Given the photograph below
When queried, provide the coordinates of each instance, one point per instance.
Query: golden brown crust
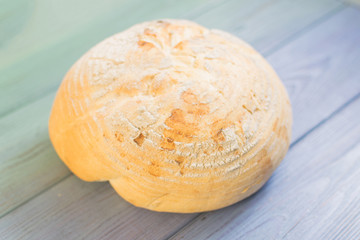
(177, 117)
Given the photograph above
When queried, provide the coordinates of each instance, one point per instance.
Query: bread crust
(177, 117)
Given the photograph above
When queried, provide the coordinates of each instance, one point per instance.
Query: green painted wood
(38, 56)
(21, 144)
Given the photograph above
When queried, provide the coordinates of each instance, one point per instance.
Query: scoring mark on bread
(119, 137)
(145, 45)
(168, 143)
(247, 109)
(139, 139)
(154, 169)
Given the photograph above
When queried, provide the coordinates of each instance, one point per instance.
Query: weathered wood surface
(75, 209)
(320, 68)
(314, 194)
(312, 44)
(31, 134)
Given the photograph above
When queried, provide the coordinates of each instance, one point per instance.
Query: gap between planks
(304, 30)
(38, 194)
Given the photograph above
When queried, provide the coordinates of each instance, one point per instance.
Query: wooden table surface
(314, 45)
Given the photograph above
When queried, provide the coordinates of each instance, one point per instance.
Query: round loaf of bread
(177, 117)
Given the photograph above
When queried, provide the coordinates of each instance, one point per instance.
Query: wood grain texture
(320, 68)
(310, 196)
(25, 172)
(54, 69)
(51, 47)
(85, 212)
(75, 209)
(339, 201)
(253, 22)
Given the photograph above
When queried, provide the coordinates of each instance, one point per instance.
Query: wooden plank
(92, 211)
(337, 214)
(320, 68)
(309, 196)
(253, 23)
(42, 62)
(17, 190)
(27, 166)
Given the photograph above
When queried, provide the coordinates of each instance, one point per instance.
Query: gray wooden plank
(42, 62)
(27, 166)
(254, 22)
(337, 213)
(92, 211)
(17, 191)
(314, 194)
(320, 68)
